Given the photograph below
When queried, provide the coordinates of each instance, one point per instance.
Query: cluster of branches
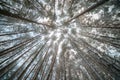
(33, 58)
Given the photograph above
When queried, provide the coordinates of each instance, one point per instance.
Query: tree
(59, 40)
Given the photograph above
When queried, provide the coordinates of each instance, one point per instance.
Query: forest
(59, 39)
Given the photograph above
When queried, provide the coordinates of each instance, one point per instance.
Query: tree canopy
(59, 39)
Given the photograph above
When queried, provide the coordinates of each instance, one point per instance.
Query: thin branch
(88, 9)
(15, 33)
(9, 14)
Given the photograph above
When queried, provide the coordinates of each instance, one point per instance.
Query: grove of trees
(59, 39)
